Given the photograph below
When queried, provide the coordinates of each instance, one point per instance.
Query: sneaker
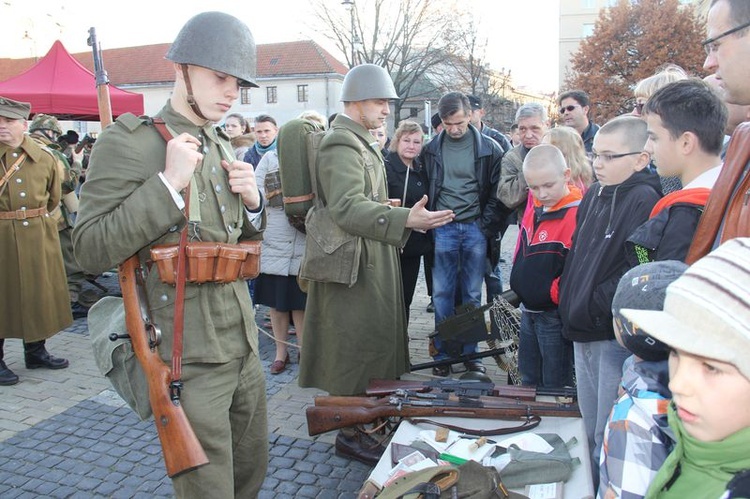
(431, 307)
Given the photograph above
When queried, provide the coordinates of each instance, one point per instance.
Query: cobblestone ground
(67, 434)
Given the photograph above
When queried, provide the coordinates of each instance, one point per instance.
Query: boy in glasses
(611, 209)
(706, 323)
(686, 121)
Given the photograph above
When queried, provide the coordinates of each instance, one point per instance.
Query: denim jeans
(598, 376)
(545, 358)
(460, 260)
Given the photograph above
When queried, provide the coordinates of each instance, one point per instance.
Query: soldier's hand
(242, 182)
(182, 158)
(422, 220)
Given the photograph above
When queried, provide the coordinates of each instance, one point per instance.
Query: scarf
(699, 469)
(263, 150)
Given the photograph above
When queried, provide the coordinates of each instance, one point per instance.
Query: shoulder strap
(179, 301)
(11, 171)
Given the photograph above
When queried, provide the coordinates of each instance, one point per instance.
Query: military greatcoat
(34, 301)
(356, 333)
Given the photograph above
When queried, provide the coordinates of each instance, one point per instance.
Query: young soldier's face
(663, 148)
(712, 397)
(214, 92)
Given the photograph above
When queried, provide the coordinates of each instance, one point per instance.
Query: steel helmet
(217, 41)
(367, 81)
(45, 122)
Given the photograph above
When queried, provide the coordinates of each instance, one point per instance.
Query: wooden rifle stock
(181, 449)
(332, 413)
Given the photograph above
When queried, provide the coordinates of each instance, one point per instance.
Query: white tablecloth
(578, 486)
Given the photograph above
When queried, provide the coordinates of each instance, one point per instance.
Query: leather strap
(298, 199)
(23, 214)
(179, 301)
(531, 422)
(13, 169)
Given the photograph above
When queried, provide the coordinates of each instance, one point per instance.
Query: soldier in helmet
(135, 197)
(354, 333)
(45, 129)
(33, 305)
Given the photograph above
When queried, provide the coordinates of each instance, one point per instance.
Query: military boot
(36, 356)
(7, 377)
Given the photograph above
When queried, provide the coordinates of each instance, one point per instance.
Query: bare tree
(408, 38)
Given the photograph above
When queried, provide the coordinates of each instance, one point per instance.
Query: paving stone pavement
(67, 434)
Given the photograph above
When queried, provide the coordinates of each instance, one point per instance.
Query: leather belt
(23, 214)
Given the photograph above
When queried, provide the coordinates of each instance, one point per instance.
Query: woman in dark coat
(407, 182)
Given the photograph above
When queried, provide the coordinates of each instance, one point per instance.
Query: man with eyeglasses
(574, 111)
(727, 52)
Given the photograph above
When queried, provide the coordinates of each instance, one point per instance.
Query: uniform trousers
(226, 406)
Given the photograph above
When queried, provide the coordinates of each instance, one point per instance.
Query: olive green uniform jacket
(34, 301)
(126, 208)
(356, 333)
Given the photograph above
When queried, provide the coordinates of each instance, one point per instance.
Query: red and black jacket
(543, 243)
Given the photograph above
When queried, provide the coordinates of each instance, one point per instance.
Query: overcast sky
(523, 35)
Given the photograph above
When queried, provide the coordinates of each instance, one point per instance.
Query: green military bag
(529, 468)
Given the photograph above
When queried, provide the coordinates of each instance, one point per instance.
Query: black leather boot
(7, 377)
(37, 356)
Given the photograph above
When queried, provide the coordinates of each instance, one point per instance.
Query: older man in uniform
(33, 303)
(133, 199)
(45, 129)
(354, 333)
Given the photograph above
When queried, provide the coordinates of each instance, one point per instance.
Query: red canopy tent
(61, 86)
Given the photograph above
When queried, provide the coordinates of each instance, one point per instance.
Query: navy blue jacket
(606, 217)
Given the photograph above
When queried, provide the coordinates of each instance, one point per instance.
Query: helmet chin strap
(190, 99)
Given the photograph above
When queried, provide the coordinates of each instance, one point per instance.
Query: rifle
(332, 413)
(181, 449)
(383, 387)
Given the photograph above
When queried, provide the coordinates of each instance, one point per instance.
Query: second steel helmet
(217, 41)
(367, 81)
(45, 122)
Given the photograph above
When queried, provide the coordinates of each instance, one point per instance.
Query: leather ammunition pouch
(209, 261)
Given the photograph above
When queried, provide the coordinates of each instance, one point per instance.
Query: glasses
(567, 108)
(710, 45)
(609, 157)
(639, 107)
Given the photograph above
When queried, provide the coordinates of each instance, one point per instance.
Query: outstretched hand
(421, 219)
(242, 182)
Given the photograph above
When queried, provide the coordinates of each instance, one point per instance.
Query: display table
(579, 485)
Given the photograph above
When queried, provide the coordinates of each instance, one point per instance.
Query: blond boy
(545, 358)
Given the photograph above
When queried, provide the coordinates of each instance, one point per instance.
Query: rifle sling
(179, 302)
(531, 422)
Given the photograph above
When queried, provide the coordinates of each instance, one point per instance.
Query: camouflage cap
(14, 110)
(45, 122)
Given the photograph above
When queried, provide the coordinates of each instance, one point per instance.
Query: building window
(302, 93)
(245, 95)
(271, 97)
(588, 30)
(588, 4)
